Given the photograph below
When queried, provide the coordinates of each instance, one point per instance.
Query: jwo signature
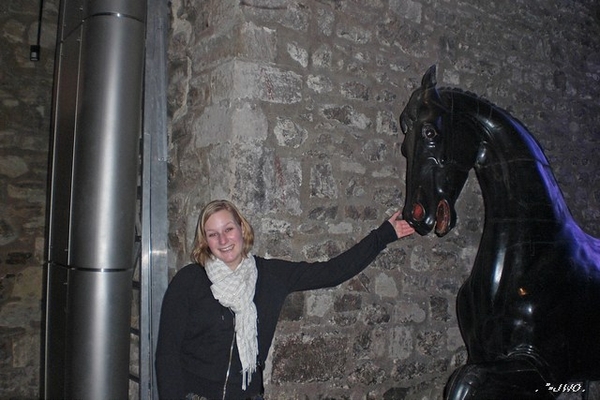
(566, 388)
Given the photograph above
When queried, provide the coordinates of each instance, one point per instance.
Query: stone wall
(290, 109)
(25, 108)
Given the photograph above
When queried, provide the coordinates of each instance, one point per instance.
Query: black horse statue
(529, 312)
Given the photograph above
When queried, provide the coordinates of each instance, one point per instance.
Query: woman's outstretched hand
(401, 226)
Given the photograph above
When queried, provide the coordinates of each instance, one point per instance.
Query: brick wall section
(25, 107)
(290, 109)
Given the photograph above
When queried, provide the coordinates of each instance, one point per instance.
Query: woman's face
(224, 238)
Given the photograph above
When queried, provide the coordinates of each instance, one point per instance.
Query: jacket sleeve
(306, 276)
(173, 317)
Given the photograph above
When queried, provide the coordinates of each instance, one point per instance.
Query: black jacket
(196, 331)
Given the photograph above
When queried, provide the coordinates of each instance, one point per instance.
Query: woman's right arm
(173, 317)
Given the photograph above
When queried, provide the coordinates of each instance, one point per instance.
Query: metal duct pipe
(92, 204)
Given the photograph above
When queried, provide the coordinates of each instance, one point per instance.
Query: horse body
(528, 312)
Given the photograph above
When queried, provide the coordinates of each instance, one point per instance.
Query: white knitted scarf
(235, 290)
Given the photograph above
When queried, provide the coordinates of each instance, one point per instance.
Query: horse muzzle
(441, 223)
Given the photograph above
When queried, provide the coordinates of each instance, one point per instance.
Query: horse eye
(428, 132)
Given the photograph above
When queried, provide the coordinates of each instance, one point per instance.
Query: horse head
(438, 160)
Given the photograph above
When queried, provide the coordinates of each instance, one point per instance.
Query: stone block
(293, 308)
(406, 312)
(353, 33)
(322, 182)
(289, 133)
(323, 251)
(385, 123)
(322, 213)
(8, 233)
(375, 150)
(385, 286)
(298, 54)
(319, 83)
(357, 212)
(394, 257)
(375, 314)
(13, 166)
(22, 354)
(401, 342)
(347, 302)
(354, 90)
(325, 21)
(407, 371)
(237, 79)
(439, 308)
(319, 303)
(343, 228)
(367, 373)
(306, 359)
(346, 115)
(258, 43)
(225, 122)
(430, 342)
(322, 57)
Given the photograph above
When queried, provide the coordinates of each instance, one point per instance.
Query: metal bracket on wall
(35, 49)
(154, 224)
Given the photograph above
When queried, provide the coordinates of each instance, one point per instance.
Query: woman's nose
(222, 239)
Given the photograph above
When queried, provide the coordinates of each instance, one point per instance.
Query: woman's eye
(428, 132)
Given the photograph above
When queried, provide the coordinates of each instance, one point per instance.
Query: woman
(219, 314)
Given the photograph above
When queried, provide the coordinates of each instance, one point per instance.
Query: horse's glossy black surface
(529, 312)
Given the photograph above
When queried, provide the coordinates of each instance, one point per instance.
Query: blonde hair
(201, 252)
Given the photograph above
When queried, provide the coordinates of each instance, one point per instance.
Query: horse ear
(429, 79)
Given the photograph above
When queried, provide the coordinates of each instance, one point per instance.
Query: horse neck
(516, 180)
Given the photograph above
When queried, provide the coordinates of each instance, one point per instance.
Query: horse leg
(499, 380)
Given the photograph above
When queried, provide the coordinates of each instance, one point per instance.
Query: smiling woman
(224, 237)
(223, 233)
(219, 314)
(220, 218)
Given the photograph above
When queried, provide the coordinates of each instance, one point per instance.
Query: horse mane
(453, 90)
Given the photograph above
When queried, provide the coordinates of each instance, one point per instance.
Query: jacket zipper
(230, 357)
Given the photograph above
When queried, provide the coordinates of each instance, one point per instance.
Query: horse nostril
(418, 212)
